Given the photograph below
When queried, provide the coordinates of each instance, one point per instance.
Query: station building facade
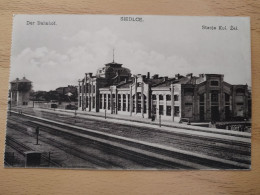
(206, 97)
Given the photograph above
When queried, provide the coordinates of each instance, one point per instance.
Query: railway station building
(206, 97)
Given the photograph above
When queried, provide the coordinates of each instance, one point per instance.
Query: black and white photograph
(129, 92)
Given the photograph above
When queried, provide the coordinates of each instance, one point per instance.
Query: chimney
(148, 75)
(177, 76)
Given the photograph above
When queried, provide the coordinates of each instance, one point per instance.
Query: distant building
(20, 91)
(65, 90)
(206, 97)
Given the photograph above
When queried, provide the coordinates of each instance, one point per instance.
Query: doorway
(215, 113)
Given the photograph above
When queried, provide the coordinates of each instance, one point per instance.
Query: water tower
(20, 91)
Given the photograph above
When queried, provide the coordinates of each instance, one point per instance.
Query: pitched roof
(23, 80)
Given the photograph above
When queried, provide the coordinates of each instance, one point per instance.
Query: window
(168, 110)
(214, 83)
(176, 111)
(188, 92)
(80, 101)
(94, 102)
(128, 103)
(124, 102)
(145, 102)
(139, 102)
(240, 91)
(168, 97)
(160, 109)
(214, 97)
(160, 97)
(86, 88)
(87, 102)
(79, 89)
(202, 98)
(94, 88)
(105, 101)
(133, 103)
(176, 98)
(153, 97)
(100, 101)
(119, 102)
(227, 97)
(240, 104)
(108, 101)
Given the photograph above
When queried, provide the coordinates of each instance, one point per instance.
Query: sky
(53, 56)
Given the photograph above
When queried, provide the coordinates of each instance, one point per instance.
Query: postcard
(129, 92)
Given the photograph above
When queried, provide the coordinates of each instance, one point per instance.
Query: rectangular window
(240, 104)
(108, 103)
(176, 111)
(87, 102)
(214, 83)
(168, 110)
(168, 97)
(214, 97)
(133, 103)
(124, 102)
(176, 98)
(139, 104)
(79, 101)
(128, 103)
(153, 97)
(119, 102)
(86, 88)
(105, 101)
(227, 97)
(160, 109)
(188, 92)
(160, 97)
(94, 102)
(100, 101)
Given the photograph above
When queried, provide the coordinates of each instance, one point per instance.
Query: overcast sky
(59, 55)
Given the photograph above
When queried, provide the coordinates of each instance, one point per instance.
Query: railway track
(98, 161)
(203, 143)
(166, 154)
(22, 148)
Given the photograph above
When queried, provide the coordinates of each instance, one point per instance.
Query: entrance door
(215, 113)
(227, 113)
(202, 113)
